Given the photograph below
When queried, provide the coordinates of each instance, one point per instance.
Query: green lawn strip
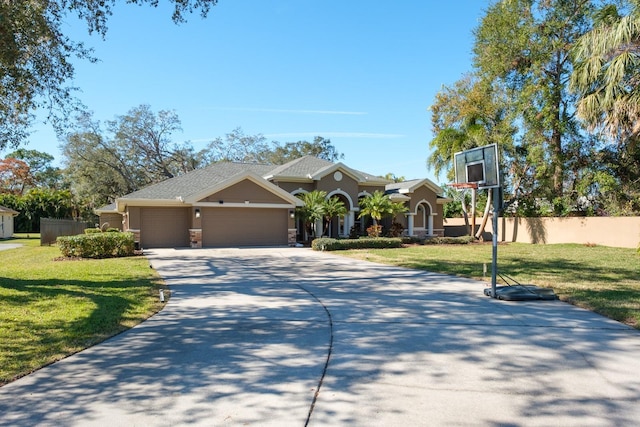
(50, 309)
(599, 278)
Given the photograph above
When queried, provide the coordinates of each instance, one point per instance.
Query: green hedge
(328, 244)
(462, 240)
(97, 245)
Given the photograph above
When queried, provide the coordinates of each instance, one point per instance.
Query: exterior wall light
(292, 214)
(197, 212)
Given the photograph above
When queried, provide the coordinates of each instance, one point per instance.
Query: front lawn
(51, 308)
(599, 278)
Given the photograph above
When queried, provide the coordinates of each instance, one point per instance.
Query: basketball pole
(494, 260)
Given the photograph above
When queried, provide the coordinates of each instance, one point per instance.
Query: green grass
(51, 308)
(599, 278)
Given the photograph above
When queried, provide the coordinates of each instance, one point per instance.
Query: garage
(244, 227)
(164, 227)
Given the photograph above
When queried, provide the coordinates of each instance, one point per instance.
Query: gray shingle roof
(196, 181)
(405, 185)
(302, 167)
(200, 180)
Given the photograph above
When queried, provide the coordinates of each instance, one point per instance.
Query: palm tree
(313, 209)
(376, 205)
(606, 72)
(333, 207)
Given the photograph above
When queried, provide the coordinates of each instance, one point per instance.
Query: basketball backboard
(478, 166)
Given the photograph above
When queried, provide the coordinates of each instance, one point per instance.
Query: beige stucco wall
(623, 232)
(114, 220)
(346, 185)
(243, 191)
(290, 187)
(370, 188)
(424, 193)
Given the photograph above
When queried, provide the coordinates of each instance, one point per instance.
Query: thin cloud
(367, 135)
(353, 135)
(285, 111)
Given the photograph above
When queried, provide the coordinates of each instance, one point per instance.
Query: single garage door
(164, 227)
(227, 227)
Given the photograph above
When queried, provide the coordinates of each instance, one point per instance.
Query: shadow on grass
(55, 318)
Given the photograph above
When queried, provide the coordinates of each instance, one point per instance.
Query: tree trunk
(485, 216)
(465, 215)
(474, 201)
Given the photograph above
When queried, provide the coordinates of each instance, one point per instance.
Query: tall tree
(320, 147)
(524, 46)
(43, 173)
(15, 176)
(134, 150)
(472, 113)
(607, 70)
(237, 147)
(36, 56)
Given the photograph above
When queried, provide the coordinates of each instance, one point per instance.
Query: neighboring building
(6, 222)
(239, 204)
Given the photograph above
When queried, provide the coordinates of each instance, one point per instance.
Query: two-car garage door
(227, 227)
(221, 227)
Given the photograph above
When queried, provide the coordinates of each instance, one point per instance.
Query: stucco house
(6, 222)
(239, 204)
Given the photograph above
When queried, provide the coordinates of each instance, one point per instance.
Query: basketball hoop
(463, 185)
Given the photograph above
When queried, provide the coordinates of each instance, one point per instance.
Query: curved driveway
(291, 337)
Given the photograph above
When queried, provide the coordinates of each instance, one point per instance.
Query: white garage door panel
(223, 227)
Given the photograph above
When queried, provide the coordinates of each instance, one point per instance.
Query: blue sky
(360, 73)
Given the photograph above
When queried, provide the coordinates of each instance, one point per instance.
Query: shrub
(92, 230)
(97, 245)
(374, 231)
(328, 244)
(462, 240)
(396, 230)
(409, 240)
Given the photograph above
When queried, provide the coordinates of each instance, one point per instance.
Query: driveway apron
(291, 337)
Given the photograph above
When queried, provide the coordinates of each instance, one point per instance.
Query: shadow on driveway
(247, 333)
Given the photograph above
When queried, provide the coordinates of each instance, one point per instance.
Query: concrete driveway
(291, 337)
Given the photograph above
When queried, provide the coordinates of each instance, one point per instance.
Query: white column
(319, 229)
(430, 229)
(352, 221)
(410, 224)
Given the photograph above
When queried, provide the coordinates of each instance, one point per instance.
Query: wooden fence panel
(51, 229)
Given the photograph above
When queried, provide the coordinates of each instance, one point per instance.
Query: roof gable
(407, 187)
(310, 168)
(246, 190)
(4, 210)
(260, 185)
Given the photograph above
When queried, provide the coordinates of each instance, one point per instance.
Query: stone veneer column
(291, 240)
(136, 237)
(195, 237)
